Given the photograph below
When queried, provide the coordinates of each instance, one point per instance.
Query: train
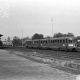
(60, 43)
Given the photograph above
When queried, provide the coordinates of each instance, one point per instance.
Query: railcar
(62, 43)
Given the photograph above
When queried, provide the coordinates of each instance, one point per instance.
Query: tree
(37, 36)
(8, 39)
(17, 41)
(48, 37)
(26, 38)
(70, 35)
(63, 35)
(58, 35)
(1, 35)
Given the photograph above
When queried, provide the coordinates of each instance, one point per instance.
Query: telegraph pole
(22, 37)
(52, 25)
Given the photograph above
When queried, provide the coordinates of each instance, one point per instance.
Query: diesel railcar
(61, 43)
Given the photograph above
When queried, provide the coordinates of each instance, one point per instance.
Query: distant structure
(7, 43)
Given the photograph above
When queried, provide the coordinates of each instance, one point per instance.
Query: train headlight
(64, 45)
(70, 44)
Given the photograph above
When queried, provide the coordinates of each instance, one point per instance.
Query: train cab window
(70, 41)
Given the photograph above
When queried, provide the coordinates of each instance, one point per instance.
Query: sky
(24, 18)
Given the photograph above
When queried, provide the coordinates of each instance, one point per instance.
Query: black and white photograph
(39, 39)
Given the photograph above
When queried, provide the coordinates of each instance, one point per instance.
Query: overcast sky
(27, 17)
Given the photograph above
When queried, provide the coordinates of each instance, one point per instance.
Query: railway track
(56, 54)
(51, 54)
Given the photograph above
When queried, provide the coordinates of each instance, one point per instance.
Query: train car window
(63, 41)
(66, 40)
(36, 42)
(53, 41)
(69, 41)
(58, 41)
(43, 41)
(49, 41)
(46, 41)
(40, 41)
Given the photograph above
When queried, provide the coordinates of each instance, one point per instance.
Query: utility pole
(52, 25)
(22, 38)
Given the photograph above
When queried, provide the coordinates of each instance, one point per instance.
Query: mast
(52, 25)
